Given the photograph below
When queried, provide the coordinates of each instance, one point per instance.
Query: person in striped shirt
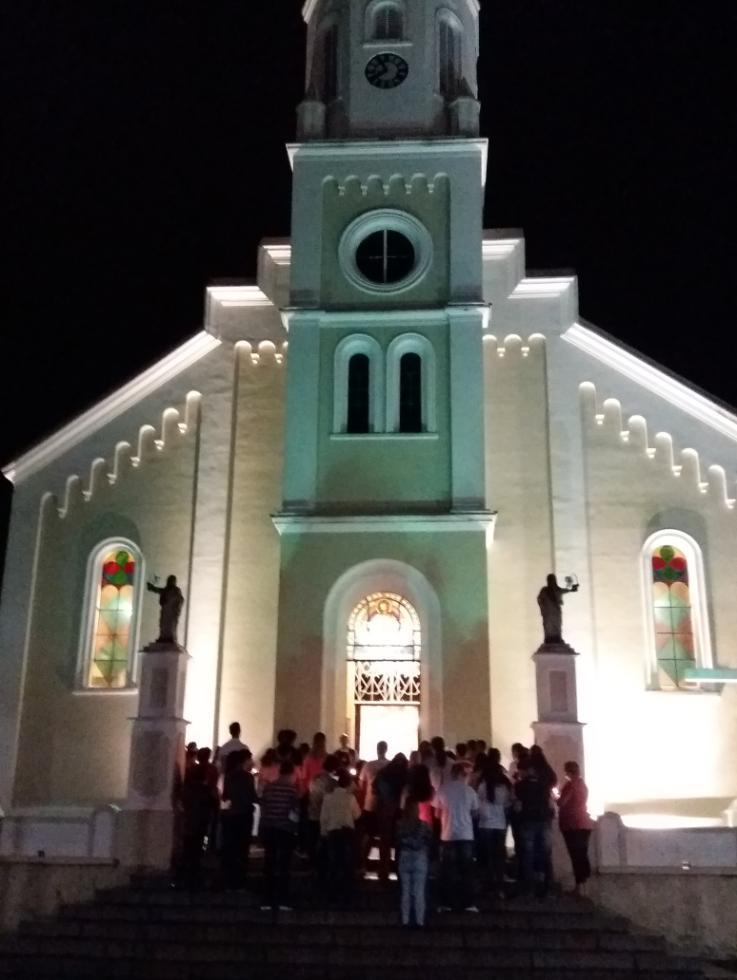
(279, 827)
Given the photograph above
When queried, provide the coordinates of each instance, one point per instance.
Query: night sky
(143, 158)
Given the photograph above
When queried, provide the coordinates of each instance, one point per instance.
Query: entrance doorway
(383, 653)
(396, 724)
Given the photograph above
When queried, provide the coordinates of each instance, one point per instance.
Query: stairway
(151, 932)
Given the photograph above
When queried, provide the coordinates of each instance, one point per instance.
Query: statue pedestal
(156, 760)
(557, 728)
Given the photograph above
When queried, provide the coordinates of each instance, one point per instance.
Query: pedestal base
(146, 839)
(561, 741)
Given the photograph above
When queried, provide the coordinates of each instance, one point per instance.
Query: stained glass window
(384, 650)
(672, 614)
(112, 624)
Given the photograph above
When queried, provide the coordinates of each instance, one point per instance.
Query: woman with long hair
(420, 789)
(543, 768)
(495, 801)
(414, 837)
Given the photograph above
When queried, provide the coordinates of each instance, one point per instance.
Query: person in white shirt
(495, 802)
(456, 804)
(366, 792)
(233, 744)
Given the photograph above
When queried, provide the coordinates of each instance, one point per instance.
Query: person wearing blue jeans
(414, 838)
(457, 804)
(535, 809)
(537, 851)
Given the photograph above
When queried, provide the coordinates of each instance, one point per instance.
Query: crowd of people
(460, 808)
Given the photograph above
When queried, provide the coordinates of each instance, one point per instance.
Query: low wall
(60, 832)
(32, 887)
(619, 847)
(695, 910)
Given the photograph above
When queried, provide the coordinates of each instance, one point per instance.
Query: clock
(386, 70)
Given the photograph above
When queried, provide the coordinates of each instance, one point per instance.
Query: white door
(396, 724)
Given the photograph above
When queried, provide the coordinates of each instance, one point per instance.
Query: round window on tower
(385, 251)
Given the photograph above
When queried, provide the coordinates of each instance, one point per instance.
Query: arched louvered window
(329, 54)
(359, 395)
(387, 22)
(411, 385)
(410, 393)
(358, 389)
(450, 54)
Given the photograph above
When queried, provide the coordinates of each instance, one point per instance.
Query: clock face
(387, 70)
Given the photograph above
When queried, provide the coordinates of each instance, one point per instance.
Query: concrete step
(156, 933)
(488, 935)
(343, 962)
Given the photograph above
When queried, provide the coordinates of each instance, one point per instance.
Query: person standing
(534, 806)
(345, 751)
(420, 790)
(370, 771)
(236, 820)
(576, 824)
(338, 816)
(322, 784)
(233, 744)
(198, 806)
(312, 764)
(414, 837)
(495, 801)
(388, 787)
(279, 826)
(456, 804)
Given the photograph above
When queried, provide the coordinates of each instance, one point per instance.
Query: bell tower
(384, 456)
(387, 68)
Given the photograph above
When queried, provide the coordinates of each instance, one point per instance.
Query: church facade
(362, 470)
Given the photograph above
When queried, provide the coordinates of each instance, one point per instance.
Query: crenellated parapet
(152, 442)
(377, 191)
(604, 420)
(513, 346)
(149, 444)
(264, 354)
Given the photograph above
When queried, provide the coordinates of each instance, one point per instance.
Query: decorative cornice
(397, 149)
(111, 407)
(237, 296)
(383, 523)
(685, 465)
(500, 248)
(651, 376)
(543, 287)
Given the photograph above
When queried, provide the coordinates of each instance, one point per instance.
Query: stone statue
(550, 601)
(171, 601)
